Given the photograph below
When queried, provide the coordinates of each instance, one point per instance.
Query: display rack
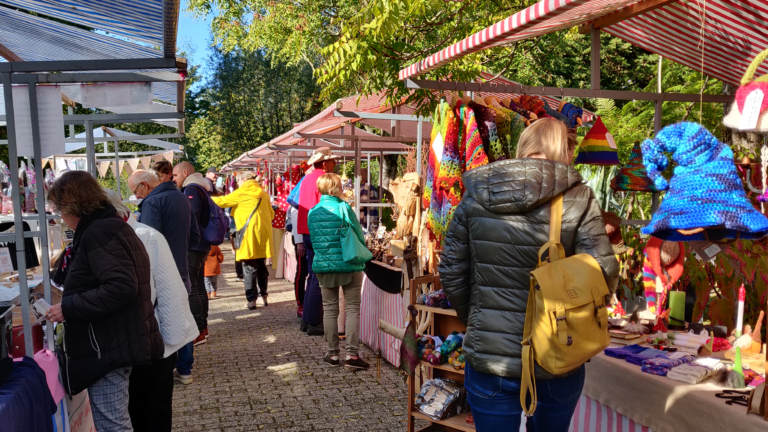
(443, 321)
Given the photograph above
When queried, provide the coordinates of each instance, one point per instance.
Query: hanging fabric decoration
(168, 156)
(127, 168)
(597, 147)
(474, 153)
(146, 162)
(102, 167)
(134, 163)
(113, 168)
(705, 198)
(750, 110)
(633, 176)
(486, 125)
(663, 260)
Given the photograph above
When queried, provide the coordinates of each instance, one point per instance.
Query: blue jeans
(313, 296)
(186, 358)
(495, 402)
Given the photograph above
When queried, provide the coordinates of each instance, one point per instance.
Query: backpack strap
(556, 251)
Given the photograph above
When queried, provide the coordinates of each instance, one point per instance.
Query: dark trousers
(255, 272)
(300, 281)
(198, 297)
(150, 392)
(313, 296)
(239, 269)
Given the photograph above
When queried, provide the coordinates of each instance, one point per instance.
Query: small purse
(352, 251)
(241, 232)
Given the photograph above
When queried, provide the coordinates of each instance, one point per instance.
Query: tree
(248, 100)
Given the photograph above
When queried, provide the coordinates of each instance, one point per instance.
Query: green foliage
(248, 100)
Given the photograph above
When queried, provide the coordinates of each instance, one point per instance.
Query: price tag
(751, 111)
(611, 142)
(6, 265)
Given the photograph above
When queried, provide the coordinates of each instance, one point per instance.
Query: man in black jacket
(195, 188)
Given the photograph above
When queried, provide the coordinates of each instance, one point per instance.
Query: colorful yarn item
(633, 177)
(503, 125)
(470, 141)
(596, 149)
(704, 192)
(572, 113)
(534, 105)
(556, 114)
(649, 286)
(486, 125)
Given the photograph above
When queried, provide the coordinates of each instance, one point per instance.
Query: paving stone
(258, 372)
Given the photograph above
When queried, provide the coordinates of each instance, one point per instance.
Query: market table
(662, 404)
(377, 304)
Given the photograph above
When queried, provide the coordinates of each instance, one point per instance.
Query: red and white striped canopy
(734, 32)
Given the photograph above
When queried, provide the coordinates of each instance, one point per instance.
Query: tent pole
(595, 63)
(117, 168)
(418, 145)
(90, 148)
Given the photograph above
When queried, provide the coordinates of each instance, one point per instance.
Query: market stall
(657, 273)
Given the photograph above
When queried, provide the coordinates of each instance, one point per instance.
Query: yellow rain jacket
(257, 241)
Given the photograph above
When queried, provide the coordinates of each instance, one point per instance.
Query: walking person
(333, 272)
(151, 386)
(323, 161)
(106, 308)
(213, 270)
(195, 188)
(491, 248)
(253, 219)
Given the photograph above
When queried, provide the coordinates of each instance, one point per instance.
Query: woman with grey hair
(151, 385)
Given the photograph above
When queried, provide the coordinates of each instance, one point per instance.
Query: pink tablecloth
(376, 304)
(592, 416)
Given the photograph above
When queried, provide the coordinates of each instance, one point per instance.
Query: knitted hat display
(748, 85)
(633, 177)
(595, 148)
(705, 198)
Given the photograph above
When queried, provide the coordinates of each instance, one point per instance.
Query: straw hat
(321, 155)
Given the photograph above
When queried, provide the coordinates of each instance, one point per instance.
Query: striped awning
(546, 16)
(137, 20)
(734, 32)
(33, 38)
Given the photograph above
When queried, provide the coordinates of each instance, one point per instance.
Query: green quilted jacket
(324, 221)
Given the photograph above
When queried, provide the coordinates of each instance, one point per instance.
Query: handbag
(241, 232)
(352, 251)
(566, 322)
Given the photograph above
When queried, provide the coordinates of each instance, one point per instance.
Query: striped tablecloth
(592, 416)
(376, 304)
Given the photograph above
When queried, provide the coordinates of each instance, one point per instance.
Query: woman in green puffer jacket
(324, 221)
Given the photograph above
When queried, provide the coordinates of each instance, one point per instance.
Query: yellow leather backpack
(566, 322)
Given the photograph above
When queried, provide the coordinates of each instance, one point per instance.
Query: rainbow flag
(598, 147)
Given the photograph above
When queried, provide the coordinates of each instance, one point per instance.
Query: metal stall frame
(32, 74)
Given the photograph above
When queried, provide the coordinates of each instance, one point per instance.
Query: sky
(195, 34)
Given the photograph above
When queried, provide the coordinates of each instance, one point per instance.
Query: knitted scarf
(447, 188)
(503, 125)
(469, 138)
(486, 125)
(654, 303)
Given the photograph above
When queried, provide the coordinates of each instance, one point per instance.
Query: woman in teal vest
(324, 221)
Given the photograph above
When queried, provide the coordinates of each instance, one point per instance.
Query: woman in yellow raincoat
(250, 199)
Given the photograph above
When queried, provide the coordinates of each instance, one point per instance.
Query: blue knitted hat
(705, 190)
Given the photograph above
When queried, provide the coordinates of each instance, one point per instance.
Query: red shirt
(308, 198)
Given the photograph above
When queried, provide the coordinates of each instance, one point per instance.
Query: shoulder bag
(352, 251)
(241, 232)
(566, 322)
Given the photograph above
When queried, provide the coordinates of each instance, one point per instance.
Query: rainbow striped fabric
(597, 147)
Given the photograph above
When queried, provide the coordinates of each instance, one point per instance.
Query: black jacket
(199, 203)
(109, 318)
(492, 247)
(168, 211)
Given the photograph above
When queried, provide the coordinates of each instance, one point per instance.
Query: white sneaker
(182, 379)
(260, 301)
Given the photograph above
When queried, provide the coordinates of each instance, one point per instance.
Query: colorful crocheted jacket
(469, 138)
(447, 187)
(486, 125)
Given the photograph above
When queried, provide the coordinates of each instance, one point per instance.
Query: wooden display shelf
(445, 367)
(441, 311)
(457, 422)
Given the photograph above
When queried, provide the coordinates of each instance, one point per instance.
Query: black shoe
(303, 326)
(356, 363)
(317, 330)
(328, 359)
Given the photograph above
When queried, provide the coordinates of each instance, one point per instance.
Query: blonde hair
(117, 202)
(546, 136)
(245, 176)
(329, 184)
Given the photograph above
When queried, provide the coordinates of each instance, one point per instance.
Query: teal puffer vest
(324, 222)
